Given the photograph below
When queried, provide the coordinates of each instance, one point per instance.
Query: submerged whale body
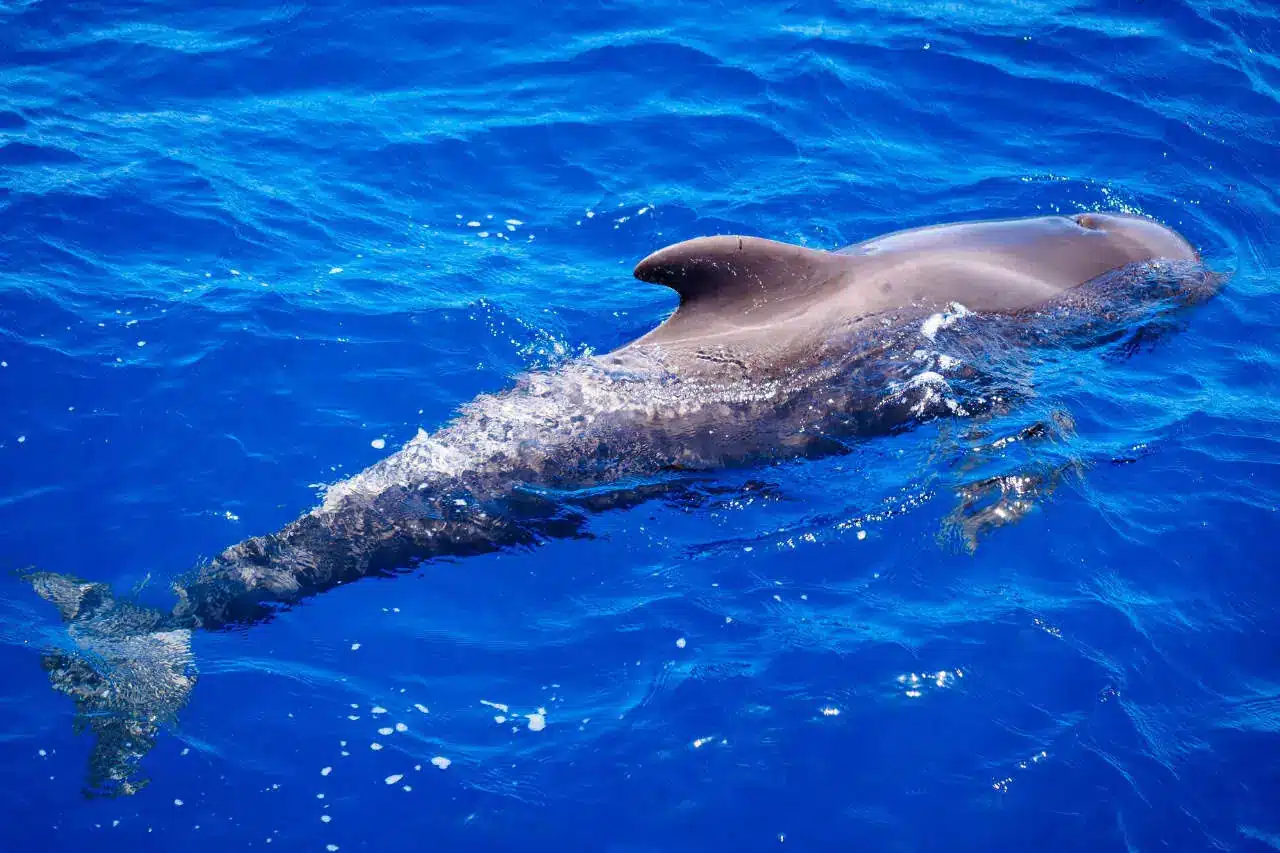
(775, 352)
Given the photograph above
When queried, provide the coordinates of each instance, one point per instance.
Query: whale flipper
(128, 672)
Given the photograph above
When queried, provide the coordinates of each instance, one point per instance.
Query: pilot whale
(775, 352)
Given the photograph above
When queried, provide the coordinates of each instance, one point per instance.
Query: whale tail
(127, 671)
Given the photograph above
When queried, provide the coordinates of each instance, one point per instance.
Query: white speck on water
(421, 707)
(332, 848)
(497, 706)
(42, 753)
(459, 502)
(231, 516)
(680, 643)
(375, 746)
(483, 234)
(474, 223)
(394, 778)
(115, 823)
(378, 443)
(142, 343)
(728, 619)
(355, 647)
(830, 712)
(697, 744)
(324, 818)
(4, 364)
(386, 730)
(353, 717)
(177, 802)
(590, 214)
(401, 727)
(235, 272)
(782, 837)
(914, 694)
(320, 796)
(514, 222)
(335, 270)
(441, 762)
(325, 771)
(537, 722)
(927, 45)
(377, 709)
(499, 719)
(407, 789)
(862, 534)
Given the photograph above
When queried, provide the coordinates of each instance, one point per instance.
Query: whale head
(1112, 240)
(1052, 253)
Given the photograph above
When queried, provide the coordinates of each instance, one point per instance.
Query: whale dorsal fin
(723, 280)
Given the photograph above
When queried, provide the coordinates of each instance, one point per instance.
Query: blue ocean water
(243, 243)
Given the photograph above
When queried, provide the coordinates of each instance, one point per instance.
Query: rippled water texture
(247, 250)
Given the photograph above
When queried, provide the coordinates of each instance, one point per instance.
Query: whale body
(775, 352)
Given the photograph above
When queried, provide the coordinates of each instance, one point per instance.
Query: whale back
(759, 290)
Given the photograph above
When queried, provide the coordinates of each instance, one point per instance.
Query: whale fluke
(127, 671)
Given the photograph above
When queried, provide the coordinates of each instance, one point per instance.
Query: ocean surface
(247, 250)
